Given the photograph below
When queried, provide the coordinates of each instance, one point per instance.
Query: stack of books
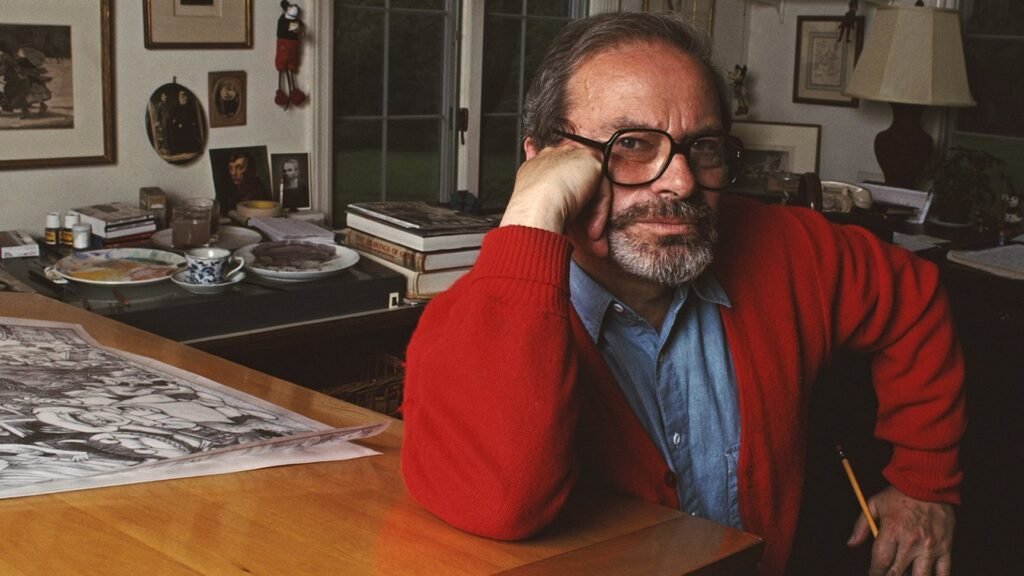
(432, 246)
(117, 224)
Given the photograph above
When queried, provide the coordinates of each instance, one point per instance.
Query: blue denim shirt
(680, 383)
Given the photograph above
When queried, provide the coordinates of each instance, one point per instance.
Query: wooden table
(348, 517)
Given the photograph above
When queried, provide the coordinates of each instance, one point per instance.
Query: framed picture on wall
(171, 24)
(227, 98)
(56, 69)
(825, 55)
(775, 148)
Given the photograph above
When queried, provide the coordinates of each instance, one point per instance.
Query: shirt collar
(591, 300)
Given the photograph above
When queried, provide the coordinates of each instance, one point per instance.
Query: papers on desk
(278, 229)
(75, 414)
(1006, 261)
(916, 242)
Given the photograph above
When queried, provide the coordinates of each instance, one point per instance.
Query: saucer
(179, 279)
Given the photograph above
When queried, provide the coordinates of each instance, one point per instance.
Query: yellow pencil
(856, 490)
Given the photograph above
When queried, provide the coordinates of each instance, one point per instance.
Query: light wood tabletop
(347, 517)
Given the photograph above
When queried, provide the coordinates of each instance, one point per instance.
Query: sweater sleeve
(489, 403)
(890, 303)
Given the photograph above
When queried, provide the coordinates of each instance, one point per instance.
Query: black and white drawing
(72, 409)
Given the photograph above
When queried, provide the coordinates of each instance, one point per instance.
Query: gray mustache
(698, 211)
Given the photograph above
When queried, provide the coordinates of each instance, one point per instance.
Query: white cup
(209, 265)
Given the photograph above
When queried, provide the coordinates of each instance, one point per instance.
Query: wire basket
(378, 389)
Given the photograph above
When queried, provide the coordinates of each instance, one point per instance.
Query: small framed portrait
(227, 95)
(291, 180)
(240, 174)
(825, 55)
(175, 124)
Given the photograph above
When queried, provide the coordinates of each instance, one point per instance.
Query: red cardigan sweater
(508, 404)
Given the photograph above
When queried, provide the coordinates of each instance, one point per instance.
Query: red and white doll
(289, 34)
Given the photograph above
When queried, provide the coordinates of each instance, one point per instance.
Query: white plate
(179, 279)
(230, 237)
(116, 266)
(294, 261)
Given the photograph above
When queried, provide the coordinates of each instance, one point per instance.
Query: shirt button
(677, 438)
(670, 479)
(617, 307)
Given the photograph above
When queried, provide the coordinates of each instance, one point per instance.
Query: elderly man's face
(662, 231)
(290, 170)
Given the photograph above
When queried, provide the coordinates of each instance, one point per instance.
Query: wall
(27, 195)
(847, 135)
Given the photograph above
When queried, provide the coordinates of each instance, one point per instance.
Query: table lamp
(912, 58)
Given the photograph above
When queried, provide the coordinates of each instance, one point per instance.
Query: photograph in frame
(825, 57)
(291, 180)
(227, 98)
(240, 174)
(56, 84)
(174, 124)
(177, 24)
(775, 148)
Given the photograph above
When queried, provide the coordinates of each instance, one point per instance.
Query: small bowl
(258, 209)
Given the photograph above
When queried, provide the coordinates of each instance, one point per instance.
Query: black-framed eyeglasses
(638, 156)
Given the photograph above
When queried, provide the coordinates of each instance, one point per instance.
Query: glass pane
(548, 7)
(994, 17)
(500, 92)
(419, 4)
(416, 63)
(539, 34)
(504, 6)
(414, 160)
(339, 5)
(995, 67)
(499, 151)
(357, 164)
(359, 62)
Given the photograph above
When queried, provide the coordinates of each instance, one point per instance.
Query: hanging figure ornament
(289, 33)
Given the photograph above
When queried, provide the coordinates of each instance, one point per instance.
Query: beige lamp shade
(913, 55)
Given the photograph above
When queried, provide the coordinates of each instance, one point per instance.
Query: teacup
(210, 265)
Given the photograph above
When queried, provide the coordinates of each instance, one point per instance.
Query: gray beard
(672, 260)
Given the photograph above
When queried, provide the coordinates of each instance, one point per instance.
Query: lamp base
(904, 148)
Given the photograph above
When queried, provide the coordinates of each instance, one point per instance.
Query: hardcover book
(416, 239)
(407, 257)
(112, 215)
(421, 285)
(422, 216)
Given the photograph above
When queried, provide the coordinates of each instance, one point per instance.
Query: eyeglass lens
(640, 156)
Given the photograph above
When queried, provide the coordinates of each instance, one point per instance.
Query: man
(184, 130)
(294, 193)
(245, 185)
(628, 326)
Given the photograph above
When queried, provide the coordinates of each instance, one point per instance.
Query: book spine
(401, 255)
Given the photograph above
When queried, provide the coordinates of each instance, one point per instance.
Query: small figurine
(848, 23)
(739, 91)
(289, 32)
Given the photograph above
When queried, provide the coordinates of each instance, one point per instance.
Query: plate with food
(294, 261)
(115, 266)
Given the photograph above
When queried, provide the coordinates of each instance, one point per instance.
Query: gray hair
(544, 110)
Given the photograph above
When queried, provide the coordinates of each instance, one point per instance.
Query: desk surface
(349, 517)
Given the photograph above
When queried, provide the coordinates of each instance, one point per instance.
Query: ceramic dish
(180, 278)
(230, 237)
(116, 266)
(295, 261)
